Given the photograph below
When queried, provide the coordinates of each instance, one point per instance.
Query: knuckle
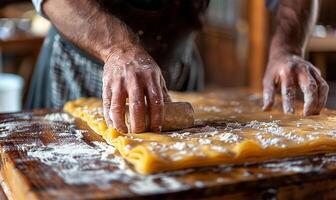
(116, 108)
(132, 74)
(115, 82)
(106, 103)
(106, 92)
(306, 65)
(137, 106)
(157, 102)
(135, 91)
(288, 93)
(155, 70)
(156, 99)
(152, 72)
(285, 74)
(324, 87)
(302, 68)
(106, 95)
(312, 86)
(316, 69)
(107, 83)
(117, 89)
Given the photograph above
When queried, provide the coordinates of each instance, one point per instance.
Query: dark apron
(166, 30)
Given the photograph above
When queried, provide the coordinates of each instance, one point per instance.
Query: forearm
(89, 27)
(294, 21)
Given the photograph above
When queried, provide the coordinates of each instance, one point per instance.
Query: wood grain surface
(46, 155)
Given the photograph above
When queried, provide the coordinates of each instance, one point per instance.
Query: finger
(107, 95)
(288, 94)
(117, 109)
(323, 90)
(155, 103)
(137, 108)
(268, 94)
(165, 93)
(309, 88)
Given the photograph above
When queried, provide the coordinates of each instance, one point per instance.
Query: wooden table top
(47, 155)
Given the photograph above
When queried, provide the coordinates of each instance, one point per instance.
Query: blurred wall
(224, 43)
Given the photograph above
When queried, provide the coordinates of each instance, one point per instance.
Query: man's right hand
(132, 73)
(129, 71)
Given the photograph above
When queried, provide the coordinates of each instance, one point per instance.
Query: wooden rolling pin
(177, 116)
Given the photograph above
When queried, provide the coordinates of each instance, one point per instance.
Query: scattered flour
(156, 184)
(78, 133)
(14, 127)
(99, 163)
(229, 137)
(199, 184)
(63, 117)
(267, 141)
(204, 141)
(79, 163)
(76, 163)
(179, 146)
(211, 109)
(298, 166)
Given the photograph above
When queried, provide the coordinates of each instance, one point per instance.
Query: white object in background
(40, 26)
(10, 92)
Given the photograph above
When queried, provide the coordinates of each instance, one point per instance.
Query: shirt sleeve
(38, 6)
(272, 4)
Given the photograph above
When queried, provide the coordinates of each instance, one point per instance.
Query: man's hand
(129, 71)
(132, 73)
(290, 71)
(286, 68)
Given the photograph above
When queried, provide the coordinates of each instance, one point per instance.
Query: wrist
(129, 55)
(280, 48)
(120, 50)
(121, 39)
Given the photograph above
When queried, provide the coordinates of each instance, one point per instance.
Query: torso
(163, 26)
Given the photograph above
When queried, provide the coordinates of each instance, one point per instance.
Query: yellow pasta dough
(229, 128)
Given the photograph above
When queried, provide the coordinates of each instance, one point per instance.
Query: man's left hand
(290, 71)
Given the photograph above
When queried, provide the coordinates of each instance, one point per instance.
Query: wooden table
(45, 155)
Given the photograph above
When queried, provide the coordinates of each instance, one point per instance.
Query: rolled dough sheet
(229, 129)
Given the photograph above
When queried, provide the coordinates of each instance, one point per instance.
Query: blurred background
(234, 45)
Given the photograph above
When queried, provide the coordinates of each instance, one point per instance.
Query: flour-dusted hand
(132, 73)
(288, 72)
(286, 68)
(129, 71)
